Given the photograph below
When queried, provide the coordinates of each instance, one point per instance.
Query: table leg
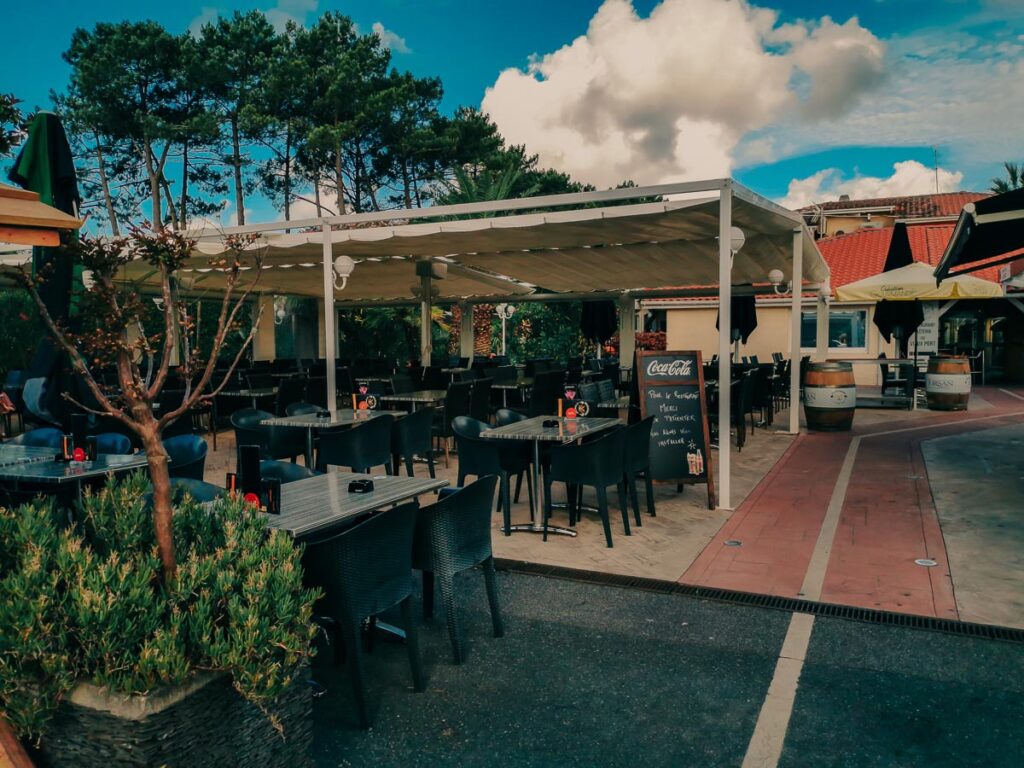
(309, 448)
(537, 526)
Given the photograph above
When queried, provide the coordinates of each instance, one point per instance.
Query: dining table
(417, 398)
(318, 504)
(547, 429)
(311, 422)
(12, 453)
(255, 393)
(65, 478)
(505, 387)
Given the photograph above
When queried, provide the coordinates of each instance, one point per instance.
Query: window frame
(863, 311)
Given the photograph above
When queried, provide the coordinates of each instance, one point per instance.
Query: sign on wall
(928, 332)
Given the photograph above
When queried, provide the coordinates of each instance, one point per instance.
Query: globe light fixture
(343, 268)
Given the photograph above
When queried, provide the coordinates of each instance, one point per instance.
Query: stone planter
(202, 723)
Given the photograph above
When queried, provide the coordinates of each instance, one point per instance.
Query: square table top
(419, 396)
(318, 503)
(23, 454)
(377, 379)
(517, 384)
(57, 472)
(341, 417)
(249, 392)
(567, 430)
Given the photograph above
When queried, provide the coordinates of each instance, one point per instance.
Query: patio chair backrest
(43, 437)
(596, 463)
(259, 380)
(285, 471)
(301, 409)
(480, 399)
(637, 446)
(402, 383)
(478, 456)
(410, 435)
(366, 569)
(289, 390)
(361, 447)
(187, 454)
(113, 443)
(455, 533)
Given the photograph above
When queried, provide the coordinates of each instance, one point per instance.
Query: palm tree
(1014, 179)
(485, 186)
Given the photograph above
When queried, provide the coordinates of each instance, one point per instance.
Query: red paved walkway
(887, 518)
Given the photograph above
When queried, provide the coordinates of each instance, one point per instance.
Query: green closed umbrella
(46, 166)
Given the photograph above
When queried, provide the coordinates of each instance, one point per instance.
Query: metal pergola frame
(726, 190)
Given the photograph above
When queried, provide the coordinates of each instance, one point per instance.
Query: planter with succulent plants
(149, 633)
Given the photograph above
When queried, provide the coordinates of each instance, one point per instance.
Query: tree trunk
(108, 200)
(154, 185)
(482, 328)
(236, 161)
(183, 206)
(339, 179)
(406, 185)
(159, 475)
(288, 173)
(316, 195)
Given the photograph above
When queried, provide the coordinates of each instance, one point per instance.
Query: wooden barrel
(948, 383)
(830, 396)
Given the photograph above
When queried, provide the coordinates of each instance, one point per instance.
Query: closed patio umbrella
(45, 166)
(742, 317)
(898, 318)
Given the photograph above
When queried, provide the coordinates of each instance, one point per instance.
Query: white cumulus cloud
(390, 39)
(908, 178)
(669, 96)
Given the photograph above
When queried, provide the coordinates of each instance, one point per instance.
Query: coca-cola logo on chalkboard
(672, 368)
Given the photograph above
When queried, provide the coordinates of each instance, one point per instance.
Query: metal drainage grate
(789, 604)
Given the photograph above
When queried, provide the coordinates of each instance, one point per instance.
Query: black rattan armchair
(411, 437)
(454, 535)
(363, 571)
(480, 457)
(361, 447)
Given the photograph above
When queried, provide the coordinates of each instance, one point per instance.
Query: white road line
(1012, 394)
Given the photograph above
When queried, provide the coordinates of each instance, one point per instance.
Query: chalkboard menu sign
(671, 388)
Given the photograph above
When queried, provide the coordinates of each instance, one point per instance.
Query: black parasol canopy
(598, 321)
(898, 319)
(986, 230)
(742, 317)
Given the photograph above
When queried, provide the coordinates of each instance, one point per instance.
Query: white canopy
(609, 249)
(917, 281)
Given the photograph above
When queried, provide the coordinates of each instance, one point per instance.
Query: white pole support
(330, 321)
(795, 318)
(821, 333)
(466, 338)
(426, 324)
(724, 343)
(627, 331)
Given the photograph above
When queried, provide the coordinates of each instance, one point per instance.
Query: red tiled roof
(862, 253)
(910, 207)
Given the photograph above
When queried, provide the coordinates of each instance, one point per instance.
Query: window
(846, 329)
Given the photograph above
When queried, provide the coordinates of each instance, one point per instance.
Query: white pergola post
(330, 320)
(724, 343)
(794, 331)
(821, 332)
(627, 331)
(466, 339)
(426, 323)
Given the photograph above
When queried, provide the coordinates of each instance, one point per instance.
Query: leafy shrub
(86, 603)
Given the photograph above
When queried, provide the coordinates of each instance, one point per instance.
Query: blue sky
(943, 73)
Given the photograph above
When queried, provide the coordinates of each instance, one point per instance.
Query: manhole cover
(926, 562)
(733, 543)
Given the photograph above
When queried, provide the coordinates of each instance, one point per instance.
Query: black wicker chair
(361, 447)
(285, 471)
(480, 457)
(115, 443)
(187, 454)
(402, 383)
(301, 409)
(451, 536)
(598, 464)
(274, 442)
(411, 436)
(363, 571)
(637, 460)
(480, 400)
(42, 437)
(456, 403)
(289, 390)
